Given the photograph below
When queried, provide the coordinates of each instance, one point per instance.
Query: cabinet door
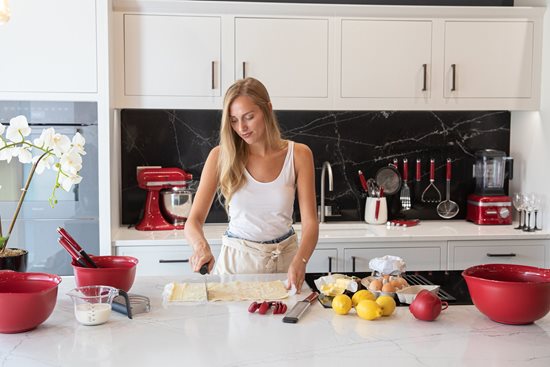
(167, 55)
(416, 258)
(323, 261)
(463, 254)
(385, 59)
(290, 56)
(49, 47)
(162, 260)
(491, 59)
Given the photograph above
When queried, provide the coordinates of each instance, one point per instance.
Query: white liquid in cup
(92, 313)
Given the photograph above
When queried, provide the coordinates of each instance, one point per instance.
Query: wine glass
(517, 201)
(529, 207)
(536, 207)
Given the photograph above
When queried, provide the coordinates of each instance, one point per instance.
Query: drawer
(463, 254)
(323, 261)
(416, 258)
(162, 260)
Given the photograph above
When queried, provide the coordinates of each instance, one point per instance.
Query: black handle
(511, 254)
(244, 69)
(353, 264)
(204, 269)
(173, 261)
(453, 86)
(425, 67)
(127, 299)
(88, 259)
(510, 162)
(330, 264)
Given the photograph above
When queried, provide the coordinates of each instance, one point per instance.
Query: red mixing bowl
(26, 300)
(115, 271)
(508, 293)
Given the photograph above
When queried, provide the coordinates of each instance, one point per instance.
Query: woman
(256, 173)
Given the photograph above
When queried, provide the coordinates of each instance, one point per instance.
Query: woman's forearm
(308, 241)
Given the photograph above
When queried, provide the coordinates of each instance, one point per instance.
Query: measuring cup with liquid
(92, 304)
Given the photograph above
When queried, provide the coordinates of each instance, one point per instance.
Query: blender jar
(490, 169)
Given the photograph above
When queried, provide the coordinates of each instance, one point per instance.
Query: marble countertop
(349, 232)
(225, 334)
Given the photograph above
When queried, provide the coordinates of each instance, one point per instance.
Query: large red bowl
(115, 271)
(26, 300)
(508, 293)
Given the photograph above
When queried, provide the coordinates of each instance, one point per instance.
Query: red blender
(173, 185)
(489, 204)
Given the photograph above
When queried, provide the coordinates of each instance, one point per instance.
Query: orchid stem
(20, 203)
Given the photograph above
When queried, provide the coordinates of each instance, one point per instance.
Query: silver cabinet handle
(244, 69)
(425, 68)
(453, 85)
(161, 261)
(511, 254)
(353, 264)
(213, 72)
(330, 264)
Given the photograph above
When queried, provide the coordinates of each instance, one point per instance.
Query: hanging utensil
(448, 209)
(405, 195)
(431, 193)
(389, 179)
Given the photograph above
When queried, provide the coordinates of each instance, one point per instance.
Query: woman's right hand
(202, 255)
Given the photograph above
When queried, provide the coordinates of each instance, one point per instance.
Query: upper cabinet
(488, 59)
(171, 56)
(290, 56)
(49, 48)
(332, 57)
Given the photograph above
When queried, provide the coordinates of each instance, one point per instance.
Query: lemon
(341, 304)
(361, 295)
(387, 303)
(368, 309)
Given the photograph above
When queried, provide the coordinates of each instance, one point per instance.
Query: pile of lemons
(366, 305)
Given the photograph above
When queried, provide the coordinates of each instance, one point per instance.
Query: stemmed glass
(517, 201)
(530, 200)
(537, 205)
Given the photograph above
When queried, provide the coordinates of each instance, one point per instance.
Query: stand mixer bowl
(176, 204)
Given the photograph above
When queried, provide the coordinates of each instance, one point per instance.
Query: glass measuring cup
(92, 304)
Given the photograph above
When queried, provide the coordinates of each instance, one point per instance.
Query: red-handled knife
(363, 181)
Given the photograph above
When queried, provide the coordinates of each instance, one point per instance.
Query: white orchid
(52, 151)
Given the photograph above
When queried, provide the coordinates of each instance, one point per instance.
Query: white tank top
(262, 211)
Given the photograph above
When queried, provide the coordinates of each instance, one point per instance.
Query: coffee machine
(169, 197)
(489, 204)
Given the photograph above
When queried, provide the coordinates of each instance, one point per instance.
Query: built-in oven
(76, 210)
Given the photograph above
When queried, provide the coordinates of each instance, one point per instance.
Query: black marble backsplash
(349, 140)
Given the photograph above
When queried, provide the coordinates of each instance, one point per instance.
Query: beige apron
(246, 257)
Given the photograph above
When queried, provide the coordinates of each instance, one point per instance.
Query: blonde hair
(233, 149)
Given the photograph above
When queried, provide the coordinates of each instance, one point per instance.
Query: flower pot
(16, 262)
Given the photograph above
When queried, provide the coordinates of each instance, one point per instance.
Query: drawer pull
(453, 85)
(511, 254)
(425, 68)
(353, 264)
(161, 261)
(330, 264)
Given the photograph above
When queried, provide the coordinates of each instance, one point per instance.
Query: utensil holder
(371, 216)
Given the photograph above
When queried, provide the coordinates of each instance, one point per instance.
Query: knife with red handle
(363, 181)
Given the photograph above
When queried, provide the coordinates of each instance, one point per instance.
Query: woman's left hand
(296, 274)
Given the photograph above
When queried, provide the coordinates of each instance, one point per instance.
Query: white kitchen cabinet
(323, 260)
(489, 59)
(418, 256)
(290, 56)
(385, 58)
(463, 254)
(49, 47)
(172, 56)
(162, 260)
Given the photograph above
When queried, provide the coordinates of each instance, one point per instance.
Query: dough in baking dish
(230, 291)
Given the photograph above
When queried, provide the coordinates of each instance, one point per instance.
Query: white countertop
(349, 232)
(225, 334)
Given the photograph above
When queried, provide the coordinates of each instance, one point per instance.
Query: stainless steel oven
(76, 210)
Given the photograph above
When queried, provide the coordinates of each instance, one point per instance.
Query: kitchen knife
(204, 270)
(299, 308)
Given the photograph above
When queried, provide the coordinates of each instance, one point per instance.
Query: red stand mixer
(489, 204)
(168, 200)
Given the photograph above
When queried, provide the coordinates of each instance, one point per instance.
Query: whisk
(431, 193)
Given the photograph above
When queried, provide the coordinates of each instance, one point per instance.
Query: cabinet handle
(161, 261)
(511, 254)
(213, 69)
(353, 264)
(244, 69)
(330, 264)
(453, 85)
(425, 68)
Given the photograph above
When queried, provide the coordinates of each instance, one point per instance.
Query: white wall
(530, 135)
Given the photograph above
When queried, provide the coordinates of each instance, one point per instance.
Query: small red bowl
(115, 271)
(26, 300)
(508, 293)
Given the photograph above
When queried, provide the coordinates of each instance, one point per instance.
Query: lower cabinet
(463, 254)
(162, 260)
(323, 261)
(421, 256)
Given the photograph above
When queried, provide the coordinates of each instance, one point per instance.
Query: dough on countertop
(230, 291)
